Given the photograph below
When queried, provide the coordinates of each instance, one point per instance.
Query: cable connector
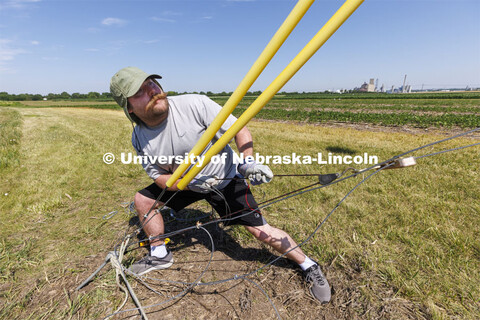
(399, 163)
(325, 179)
(328, 178)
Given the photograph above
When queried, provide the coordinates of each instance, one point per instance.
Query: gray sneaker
(318, 284)
(150, 263)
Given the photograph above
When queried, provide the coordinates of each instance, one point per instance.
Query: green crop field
(404, 245)
(417, 110)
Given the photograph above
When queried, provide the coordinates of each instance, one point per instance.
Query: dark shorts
(236, 200)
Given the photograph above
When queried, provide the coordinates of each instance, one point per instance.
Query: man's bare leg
(278, 240)
(159, 257)
(155, 225)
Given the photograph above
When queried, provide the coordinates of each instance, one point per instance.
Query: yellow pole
(307, 52)
(267, 54)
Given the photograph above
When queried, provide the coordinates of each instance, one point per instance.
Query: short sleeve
(211, 109)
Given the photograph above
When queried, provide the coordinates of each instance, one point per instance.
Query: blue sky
(76, 46)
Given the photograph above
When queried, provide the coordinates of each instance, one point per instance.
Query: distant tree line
(5, 96)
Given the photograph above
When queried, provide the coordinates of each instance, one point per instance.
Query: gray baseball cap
(125, 83)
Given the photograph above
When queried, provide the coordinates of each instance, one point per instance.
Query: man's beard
(154, 100)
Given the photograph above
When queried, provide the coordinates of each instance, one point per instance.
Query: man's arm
(162, 182)
(200, 184)
(244, 142)
(257, 173)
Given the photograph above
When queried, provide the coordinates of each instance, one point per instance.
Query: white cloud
(92, 50)
(203, 19)
(166, 16)
(113, 22)
(6, 52)
(35, 42)
(162, 19)
(10, 54)
(16, 4)
(6, 70)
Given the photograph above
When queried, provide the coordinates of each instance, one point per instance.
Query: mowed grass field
(404, 245)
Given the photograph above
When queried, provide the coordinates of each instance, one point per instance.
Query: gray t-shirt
(188, 118)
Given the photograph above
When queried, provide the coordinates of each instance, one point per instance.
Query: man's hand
(203, 183)
(257, 173)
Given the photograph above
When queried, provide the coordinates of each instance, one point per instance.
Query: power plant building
(368, 87)
(371, 86)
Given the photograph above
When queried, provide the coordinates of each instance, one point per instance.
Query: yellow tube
(307, 52)
(267, 54)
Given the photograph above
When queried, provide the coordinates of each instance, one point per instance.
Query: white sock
(158, 251)
(307, 263)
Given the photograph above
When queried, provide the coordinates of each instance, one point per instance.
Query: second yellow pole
(307, 52)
